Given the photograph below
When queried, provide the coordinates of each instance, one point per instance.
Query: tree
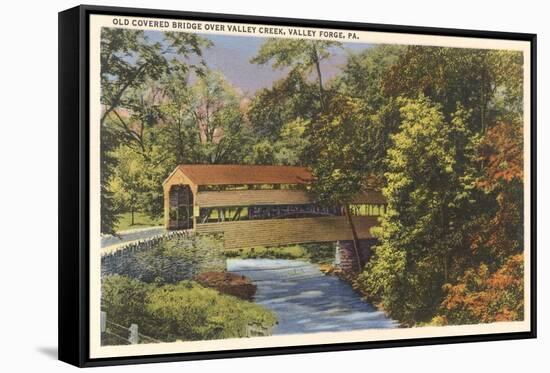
(289, 148)
(365, 73)
(129, 61)
(109, 208)
(128, 181)
(293, 142)
(129, 58)
(216, 113)
(289, 99)
(299, 55)
(263, 152)
(475, 79)
(337, 156)
(144, 139)
(482, 296)
(431, 198)
(363, 77)
(184, 137)
(499, 233)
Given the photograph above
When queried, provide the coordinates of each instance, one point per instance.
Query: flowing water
(305, 300)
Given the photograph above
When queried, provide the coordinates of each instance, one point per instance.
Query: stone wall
(346, 259)
(167, 258)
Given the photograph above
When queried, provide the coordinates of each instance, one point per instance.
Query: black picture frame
(74, 191)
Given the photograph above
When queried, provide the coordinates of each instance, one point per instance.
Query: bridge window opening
(236, 187)
(222, 214)
(265, 212)
(369, 209)
(180, 212)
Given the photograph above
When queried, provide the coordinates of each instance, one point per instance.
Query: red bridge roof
(207, 174)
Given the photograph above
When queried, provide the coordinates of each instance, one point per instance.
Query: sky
(232, 54)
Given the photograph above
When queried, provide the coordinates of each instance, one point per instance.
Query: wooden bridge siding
(252, 197)
(242, 234)
(271, 197)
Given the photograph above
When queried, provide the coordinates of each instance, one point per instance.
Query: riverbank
(332, 270)
(322, 253)
(178, 289)
(181, 311)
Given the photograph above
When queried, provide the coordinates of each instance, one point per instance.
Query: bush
(321, 252)
(123, 299)
(314, 252)
(176, 259)
(481, 297)
(188, 311)
(183, 311)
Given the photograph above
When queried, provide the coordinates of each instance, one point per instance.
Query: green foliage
(184, 311)
(300, 55)
(110, 210)
(337, 152)
(289, 149)
(124, 299)
(289, 99)
(129, 59)
(216, 112)
(364, 74)
(130, 66)
(430, 194)
(187, 311)
(175, 259)
(292, 144)
(283, 113)
(441, 128)
(128, 182)
(141, 220)
(445, 217)
(263, 152)
(320, 252)
(314, 252)
(363, 78)
(478, 80)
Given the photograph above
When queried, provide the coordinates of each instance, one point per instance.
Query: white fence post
(103, 321)
(134, 336)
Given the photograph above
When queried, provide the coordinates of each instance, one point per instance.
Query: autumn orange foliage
(493, 289)
(484, 297)
(502, 152)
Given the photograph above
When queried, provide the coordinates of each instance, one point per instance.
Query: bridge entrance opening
(181, 207)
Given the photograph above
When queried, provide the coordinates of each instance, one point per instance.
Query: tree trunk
(355, 238)
(445, 269)
(132, 212)
(319, 77)
(483, 129)
(321, 89)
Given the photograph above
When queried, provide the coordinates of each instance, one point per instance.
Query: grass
(141, 220)
(185, 311)
(316, 253)
(285, 252)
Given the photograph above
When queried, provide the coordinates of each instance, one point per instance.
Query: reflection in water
(305, 300)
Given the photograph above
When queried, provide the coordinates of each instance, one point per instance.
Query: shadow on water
(305, 300)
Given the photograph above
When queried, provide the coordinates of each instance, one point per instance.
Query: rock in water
(228, 283)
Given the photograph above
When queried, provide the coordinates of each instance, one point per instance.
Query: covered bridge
(254, 205)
